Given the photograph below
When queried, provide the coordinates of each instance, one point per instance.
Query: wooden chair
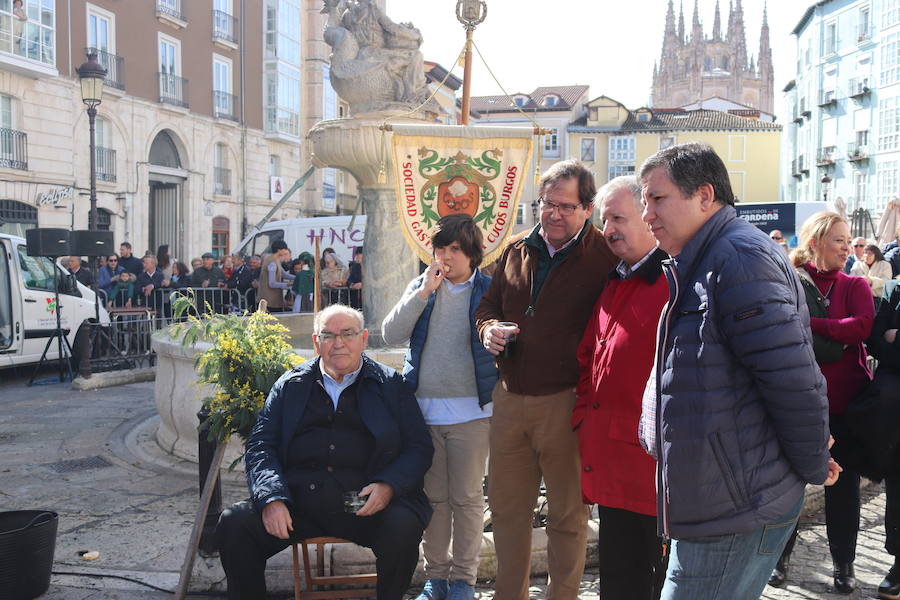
(320, 579)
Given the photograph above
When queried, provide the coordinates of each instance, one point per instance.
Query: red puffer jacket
(616, 356)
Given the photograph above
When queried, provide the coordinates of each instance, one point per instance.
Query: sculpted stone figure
(375, 63)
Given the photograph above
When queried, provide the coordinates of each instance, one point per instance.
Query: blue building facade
(842, 127)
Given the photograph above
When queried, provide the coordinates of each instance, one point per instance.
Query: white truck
(28, 304)
(300, 235)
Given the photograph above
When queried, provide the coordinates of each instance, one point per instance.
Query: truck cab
(28, 304)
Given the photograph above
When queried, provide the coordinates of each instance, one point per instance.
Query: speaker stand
(63, 346)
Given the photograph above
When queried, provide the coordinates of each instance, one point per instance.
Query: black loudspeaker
(92, 243)
(46, 241)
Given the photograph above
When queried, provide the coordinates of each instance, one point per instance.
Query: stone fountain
(376, 66)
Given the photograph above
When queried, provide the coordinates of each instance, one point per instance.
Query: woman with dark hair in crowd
(108, 276)
(841, 315)
(181, 275)
(164, 263)
(873, 268)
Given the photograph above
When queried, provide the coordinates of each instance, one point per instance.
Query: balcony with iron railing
(222, 181)
(859, 87)
(171, 12)
(825, 157)
(173, 90)
(224, 105)
(827, 98)
(106, 164)
(224, 28)
(114, 65)
(13, 149)
(857, 152)
(804, 110)
(864, 34)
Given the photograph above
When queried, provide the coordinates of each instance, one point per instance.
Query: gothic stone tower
(694, 67)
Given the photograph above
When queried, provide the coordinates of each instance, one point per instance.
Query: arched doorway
(166, 181)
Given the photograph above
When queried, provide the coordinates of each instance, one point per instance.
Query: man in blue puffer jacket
(735, 409)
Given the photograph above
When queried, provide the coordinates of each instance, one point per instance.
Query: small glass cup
(508, 329)
(353, 501)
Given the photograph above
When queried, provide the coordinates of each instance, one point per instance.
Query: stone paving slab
(137, 509)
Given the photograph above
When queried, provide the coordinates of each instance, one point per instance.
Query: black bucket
(27, 543)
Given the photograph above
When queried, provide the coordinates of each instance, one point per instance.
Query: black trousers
(632, 561)
(244, 544)
(892, 515)
(842, 504)
(842, 500)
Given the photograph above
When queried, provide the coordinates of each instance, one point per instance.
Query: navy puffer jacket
(743, 414)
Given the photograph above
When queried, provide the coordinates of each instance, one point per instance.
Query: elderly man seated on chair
(337, 424)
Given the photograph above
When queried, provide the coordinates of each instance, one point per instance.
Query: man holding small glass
(546, 283)
(332, 426)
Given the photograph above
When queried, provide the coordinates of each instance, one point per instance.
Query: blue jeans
(727, 567)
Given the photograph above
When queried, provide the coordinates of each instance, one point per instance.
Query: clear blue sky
(608, 44)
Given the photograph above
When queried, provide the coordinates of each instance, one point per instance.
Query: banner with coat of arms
(445, 169)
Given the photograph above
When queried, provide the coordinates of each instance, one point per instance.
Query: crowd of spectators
(128, 281)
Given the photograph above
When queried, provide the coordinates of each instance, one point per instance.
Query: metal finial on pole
(470, 13)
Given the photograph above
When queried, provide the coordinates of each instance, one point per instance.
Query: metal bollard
(205, 452)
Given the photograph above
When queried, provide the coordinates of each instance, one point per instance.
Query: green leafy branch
(428, 214)
(488, 200)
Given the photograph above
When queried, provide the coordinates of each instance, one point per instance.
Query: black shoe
(779, 574)
(890, 587)
(844, 578)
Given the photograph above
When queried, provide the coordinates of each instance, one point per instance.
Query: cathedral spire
(729, 32)
(738, 39)
(696, 27)
(766, 71)
(717, 24)
(681, 22)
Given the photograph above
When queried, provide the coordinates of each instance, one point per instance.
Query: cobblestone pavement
(810, 574)
(138, 513)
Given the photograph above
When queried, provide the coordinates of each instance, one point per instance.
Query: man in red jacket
(615, 357)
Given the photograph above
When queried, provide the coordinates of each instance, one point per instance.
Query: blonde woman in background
(841, 316)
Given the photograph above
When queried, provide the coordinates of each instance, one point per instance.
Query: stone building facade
(694, 67)
(843, 106)
(205, 101)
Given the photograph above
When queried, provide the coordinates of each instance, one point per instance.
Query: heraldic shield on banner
(443, 170)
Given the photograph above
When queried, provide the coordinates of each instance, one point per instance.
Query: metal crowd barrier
(124, 343)
(341, 295)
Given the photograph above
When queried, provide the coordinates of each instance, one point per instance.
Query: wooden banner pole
(467, 78)
(317, 279)
(190, 554)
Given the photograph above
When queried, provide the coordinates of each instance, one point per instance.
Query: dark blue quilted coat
(744, 416)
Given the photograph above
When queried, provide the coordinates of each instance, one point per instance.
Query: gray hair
(623, 182)
(336, 309)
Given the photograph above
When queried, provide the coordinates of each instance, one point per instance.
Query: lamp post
(825, 181)
(470, 13)
(92, 75)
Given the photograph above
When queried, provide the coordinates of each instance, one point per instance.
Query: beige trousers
(454, 488)
(531, 437)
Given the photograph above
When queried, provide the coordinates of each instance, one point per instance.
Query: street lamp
(825, 181)
(470, 13)
(92, 75)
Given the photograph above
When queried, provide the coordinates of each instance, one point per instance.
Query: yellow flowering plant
(247, 355)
